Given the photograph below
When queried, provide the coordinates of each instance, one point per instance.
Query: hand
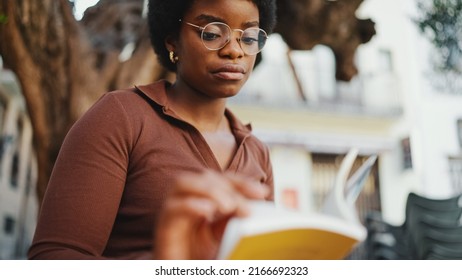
(197, 210)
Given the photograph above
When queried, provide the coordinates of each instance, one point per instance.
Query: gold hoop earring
(173, 57)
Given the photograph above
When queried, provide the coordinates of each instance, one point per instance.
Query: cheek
(251, 64)
(190, 47)
(191, 63)
(196, 56)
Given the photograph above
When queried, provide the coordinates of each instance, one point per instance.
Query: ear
(170, 43)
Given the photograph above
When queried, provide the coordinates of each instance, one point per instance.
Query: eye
(210, 36)
(251, 36)
(213, 31)
(249, 40)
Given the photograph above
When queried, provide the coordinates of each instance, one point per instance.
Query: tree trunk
(64, 65)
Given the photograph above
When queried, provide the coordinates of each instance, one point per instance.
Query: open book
(270, 232)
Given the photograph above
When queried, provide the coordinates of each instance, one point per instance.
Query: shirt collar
(158, 94)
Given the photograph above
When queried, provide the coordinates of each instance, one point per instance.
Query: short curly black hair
(164, 15)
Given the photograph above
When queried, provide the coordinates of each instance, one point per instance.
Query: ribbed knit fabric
(114, 168)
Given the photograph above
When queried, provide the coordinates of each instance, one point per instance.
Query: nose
(233, 48)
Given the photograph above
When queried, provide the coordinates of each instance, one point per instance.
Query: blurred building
(390, 109)
(18, 171)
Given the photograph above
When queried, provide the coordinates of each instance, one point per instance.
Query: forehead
(237, 11)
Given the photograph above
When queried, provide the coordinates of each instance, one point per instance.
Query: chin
(223, 90)
(230, 92)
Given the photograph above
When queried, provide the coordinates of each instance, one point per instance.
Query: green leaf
(3, 19)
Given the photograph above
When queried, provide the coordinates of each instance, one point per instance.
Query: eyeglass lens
(216, 35)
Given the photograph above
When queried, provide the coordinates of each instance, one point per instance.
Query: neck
(207, 114)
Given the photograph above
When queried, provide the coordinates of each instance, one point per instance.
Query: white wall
(291, 166)
(429, 116)
(439, 137)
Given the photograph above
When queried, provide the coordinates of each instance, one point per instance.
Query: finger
(249, 188)
(178, 222)
(195, 207)
(213, 186)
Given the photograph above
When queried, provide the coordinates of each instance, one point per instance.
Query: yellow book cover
(270, 233)
(273, 233)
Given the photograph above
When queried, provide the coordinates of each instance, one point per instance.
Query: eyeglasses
(216, 35)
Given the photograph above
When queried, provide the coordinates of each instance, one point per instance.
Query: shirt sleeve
(83, 195)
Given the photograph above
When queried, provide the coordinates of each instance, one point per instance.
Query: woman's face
(215, 73)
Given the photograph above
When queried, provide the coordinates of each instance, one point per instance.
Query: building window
(385, 62)
(15, 171)
(407, 155)
(8, 225)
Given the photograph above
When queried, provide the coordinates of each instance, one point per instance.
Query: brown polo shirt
(114, 168)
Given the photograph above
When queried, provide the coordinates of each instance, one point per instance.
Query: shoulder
(122, 111)
(134, 102)
(128, 100)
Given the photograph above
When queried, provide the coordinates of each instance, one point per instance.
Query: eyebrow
(210, 18)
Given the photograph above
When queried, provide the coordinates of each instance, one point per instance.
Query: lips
(231, 72)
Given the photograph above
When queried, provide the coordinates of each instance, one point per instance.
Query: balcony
(305, 80)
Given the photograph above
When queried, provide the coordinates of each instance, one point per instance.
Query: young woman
(156, 171)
